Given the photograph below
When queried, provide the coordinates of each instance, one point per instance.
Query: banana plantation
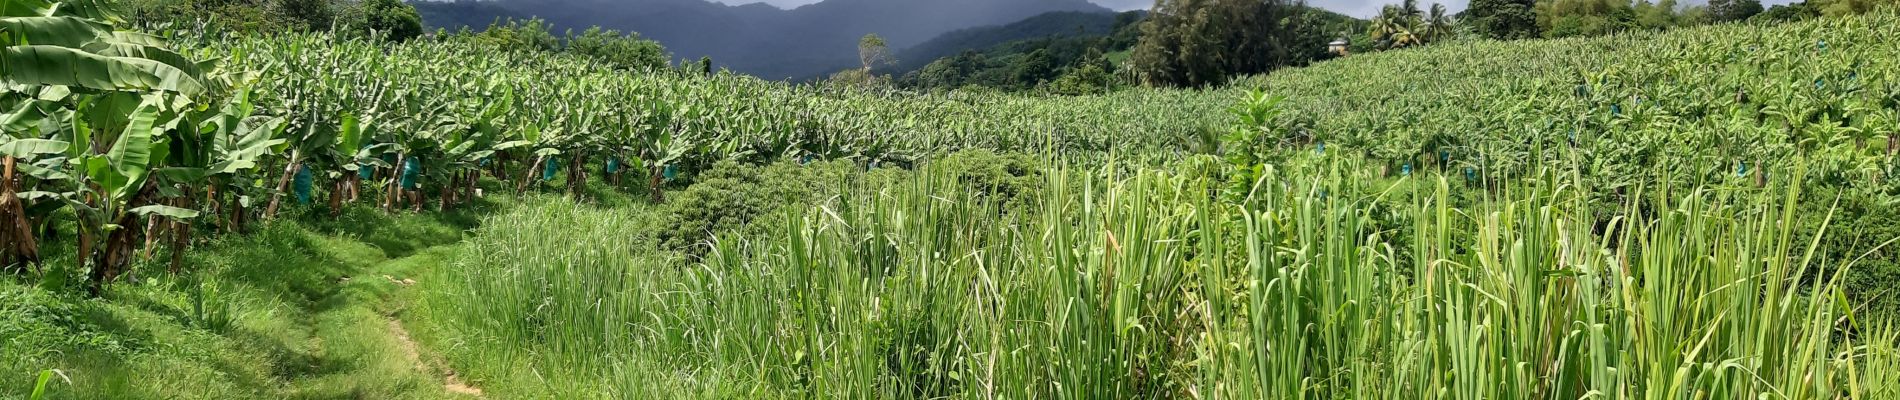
(1655, 215)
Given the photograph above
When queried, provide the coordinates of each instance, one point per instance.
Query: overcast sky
(1356, 8)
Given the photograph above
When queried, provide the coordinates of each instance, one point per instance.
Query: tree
(394, 18)
(627, 51)
(1790, 12)
(315, 15)
(1733, 10)
(873, 52)
(1654, 16)
(1086, 80)
(1394, 28)
(1438, 23)
(1834, 8)
(1035, 68)
(1204, 42)
(1503, 19)
(1571, 18)
(705, 65)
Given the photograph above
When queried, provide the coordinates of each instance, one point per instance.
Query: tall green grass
(1119, 283)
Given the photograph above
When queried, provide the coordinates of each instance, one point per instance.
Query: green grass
(292, 327)
(1138, 284)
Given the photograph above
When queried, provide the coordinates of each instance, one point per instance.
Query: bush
(731, 196)
(394, 18)
(1012, 181)
(1087, 80)
(1862, 223)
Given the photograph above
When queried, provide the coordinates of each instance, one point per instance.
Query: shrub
(1010, 180)
(731, 195)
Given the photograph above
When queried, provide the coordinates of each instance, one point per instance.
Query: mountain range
(758, 39)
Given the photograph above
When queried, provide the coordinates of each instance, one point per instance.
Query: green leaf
(182, 174)
(39, 388)
(132, 154)
(39, 65)
(351, 138)
(25, 148)
(168, 211)
(55, 31)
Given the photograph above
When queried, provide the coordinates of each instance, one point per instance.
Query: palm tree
(1393, 28)
(1411, 11)
(1438, 24)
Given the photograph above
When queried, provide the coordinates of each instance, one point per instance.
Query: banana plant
(125, 94)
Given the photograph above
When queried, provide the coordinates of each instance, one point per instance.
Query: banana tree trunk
(500, 167)
(577, 175)
(448, 195)
(236, 223)
(153, 230)
(395, 185)
(18, 234)
(655, 178)
(355, 186)
(337, 190)
(474, 181)
(283, 181)
(181, 238)
(211, 198)
(1893, 143)
(528, 177)
(110, 263)
(1761, 174)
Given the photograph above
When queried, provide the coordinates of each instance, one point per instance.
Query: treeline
(394, 20)
(1267, 34)
(626, 51)
(1067, 64)
(391, 19)
(1524, 19)
(1208, 42)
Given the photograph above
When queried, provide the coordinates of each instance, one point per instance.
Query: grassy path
(365, 350)
(307, 308)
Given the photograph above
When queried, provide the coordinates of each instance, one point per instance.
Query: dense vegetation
(1697, 213)
(803, 43)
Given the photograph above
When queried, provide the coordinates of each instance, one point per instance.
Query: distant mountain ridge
(755, 38)
(1060, 23)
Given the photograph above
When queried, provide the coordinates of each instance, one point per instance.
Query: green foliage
(1503, 19)
(392, 19)
(1790, 12)
(873, 52)
(1861, 228)
(1405, 25)
(1733, 10)
(622, 51)
(1113, 31)
(1035, 68)
(1836, 8)
(1010, 180)
(1089, 79)
(248, 17)
(730, 196)
(516, 35)
(1203, 43)
(1574, 18)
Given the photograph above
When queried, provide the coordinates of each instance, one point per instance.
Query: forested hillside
(756, 39)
